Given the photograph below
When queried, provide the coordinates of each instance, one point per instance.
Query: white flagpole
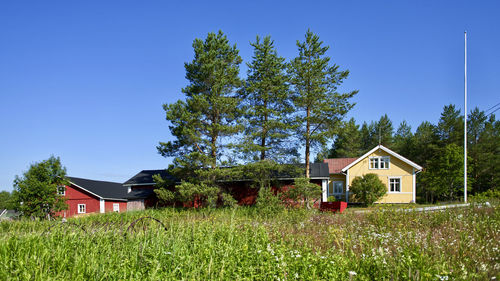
(465, 117)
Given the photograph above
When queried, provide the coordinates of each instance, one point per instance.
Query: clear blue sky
(86, 80)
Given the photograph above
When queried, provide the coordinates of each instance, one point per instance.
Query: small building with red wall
(84, 196)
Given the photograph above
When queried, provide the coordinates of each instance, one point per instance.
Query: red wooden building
(85, 196)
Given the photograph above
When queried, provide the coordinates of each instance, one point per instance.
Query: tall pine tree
(207, 116)
(266, 105)
(319, 107)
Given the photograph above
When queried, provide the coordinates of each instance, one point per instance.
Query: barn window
(116, 207)
(61, 190)
(82, 209)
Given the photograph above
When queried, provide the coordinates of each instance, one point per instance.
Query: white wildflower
(352, 273)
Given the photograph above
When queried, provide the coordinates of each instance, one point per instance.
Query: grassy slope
(240, 244)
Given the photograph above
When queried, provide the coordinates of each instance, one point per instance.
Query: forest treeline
(436, 147)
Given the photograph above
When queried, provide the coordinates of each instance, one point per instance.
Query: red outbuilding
(85, 196)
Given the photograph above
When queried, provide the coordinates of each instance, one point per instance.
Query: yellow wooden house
(395, 171)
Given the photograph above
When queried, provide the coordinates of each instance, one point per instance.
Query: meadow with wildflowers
(241, 244)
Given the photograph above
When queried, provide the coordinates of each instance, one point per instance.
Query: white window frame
(377, 161)
(116, 207)
(400, 184)
(84, 209)
(63, 193)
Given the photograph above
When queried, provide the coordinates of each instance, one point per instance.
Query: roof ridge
(93, 180)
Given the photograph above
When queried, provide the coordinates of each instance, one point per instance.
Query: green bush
(488, 195)
(303, 191)
(368, 188)
(331, 199)
(268, 203)
(228, 200)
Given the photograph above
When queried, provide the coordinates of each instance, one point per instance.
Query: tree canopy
(35, 192)
(267, 106)
(319, 106)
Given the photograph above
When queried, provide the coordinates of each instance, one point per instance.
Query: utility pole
(465, 117)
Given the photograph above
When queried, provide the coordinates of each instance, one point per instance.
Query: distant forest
(436, 147)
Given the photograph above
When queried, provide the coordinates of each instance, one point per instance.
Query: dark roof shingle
(103, 189)
(145, 177)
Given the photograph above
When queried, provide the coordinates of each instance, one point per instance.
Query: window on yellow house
(379, 162)
(394, 184)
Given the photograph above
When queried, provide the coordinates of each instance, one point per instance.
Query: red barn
(85, 196)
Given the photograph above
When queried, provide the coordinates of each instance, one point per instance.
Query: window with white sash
(82, 209)
(379, 162)
(395, 184)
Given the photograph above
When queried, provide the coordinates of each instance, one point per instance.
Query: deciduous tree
(35, 192)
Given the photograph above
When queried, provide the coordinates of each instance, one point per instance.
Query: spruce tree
(347, 143)
(319, 107)
(266, 105)
(382, 132)
(451, 126)
(403, 139)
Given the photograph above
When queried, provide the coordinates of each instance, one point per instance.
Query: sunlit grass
(239, 244)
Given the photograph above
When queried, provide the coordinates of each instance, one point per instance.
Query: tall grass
(225, 244)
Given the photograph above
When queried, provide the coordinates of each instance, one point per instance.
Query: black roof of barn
(101, 189)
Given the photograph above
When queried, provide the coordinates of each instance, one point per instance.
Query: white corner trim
(324, 190)
(347, 187)
(101, 206)
(409, 162)
(414, 178)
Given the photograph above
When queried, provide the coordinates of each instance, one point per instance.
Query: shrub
(368, 188)
(268, 203)
(228, 200)
(304, 191)
(488, 195)
(331, 199)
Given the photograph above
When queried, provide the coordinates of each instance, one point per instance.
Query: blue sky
(86, 80)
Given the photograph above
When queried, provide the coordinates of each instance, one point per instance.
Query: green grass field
(227, 244)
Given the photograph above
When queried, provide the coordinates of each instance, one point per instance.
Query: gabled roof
(390, 152)
(101, 189)
(145, 177)
(335, 165)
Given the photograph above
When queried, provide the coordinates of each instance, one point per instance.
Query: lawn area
(241, 244)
